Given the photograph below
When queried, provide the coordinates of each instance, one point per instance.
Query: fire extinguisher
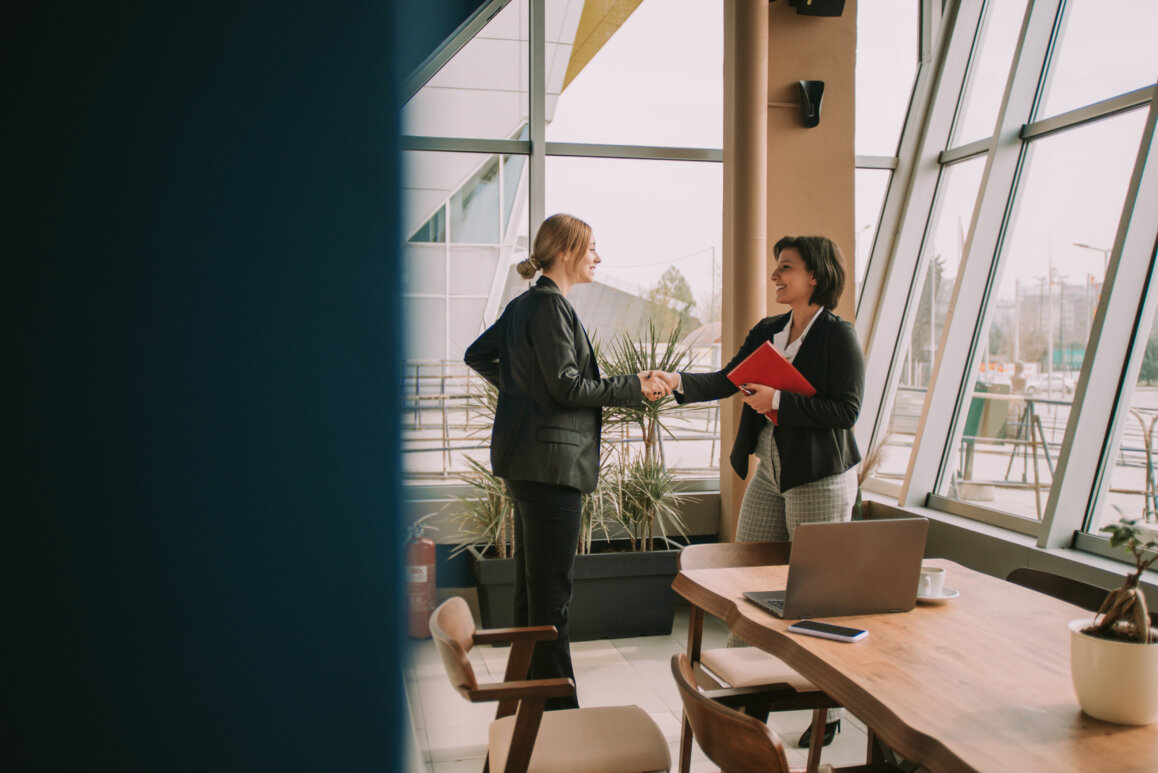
(420, 588)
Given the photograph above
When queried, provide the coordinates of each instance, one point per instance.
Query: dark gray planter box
(616, 595)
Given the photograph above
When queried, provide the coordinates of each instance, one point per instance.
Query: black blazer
(549, 415)
(814, 435)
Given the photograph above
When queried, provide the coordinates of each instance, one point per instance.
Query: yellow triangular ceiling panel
(599, 21)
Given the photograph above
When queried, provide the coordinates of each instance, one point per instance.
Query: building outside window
(1030, 309)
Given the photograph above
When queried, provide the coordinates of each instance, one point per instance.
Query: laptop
(850, 568)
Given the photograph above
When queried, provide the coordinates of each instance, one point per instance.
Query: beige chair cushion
(751, 667)
(615, 739)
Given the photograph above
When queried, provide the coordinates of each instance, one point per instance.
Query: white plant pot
(1115, 681)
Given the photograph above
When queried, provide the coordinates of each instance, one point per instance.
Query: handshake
(657, 383)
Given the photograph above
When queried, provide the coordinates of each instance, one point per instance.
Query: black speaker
(818, 7)
(811, 93)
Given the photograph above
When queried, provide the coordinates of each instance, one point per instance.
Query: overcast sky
(658, 81)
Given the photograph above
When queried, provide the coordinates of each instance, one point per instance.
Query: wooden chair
(737, 742)
(524, 737)
(748, 677)
(1080, 594)
(1076, 592)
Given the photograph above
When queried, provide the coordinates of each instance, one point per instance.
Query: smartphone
(828, 630)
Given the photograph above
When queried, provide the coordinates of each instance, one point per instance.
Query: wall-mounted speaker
(817, 7)
(811, 92)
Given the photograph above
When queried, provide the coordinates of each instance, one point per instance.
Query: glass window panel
(431, 179)
(1132, 472)
(1103, 49)
(472, 269)
(425, 328)
(941, 257)
(871, 186)
(988, 71)
(647, 217)
(887, 37)
(658, 228)
(658, 79)
(513, 188)
(424, 270)
(474, 208)
(482, 91)
(466, 322)
(1039, 315)
(433, 230)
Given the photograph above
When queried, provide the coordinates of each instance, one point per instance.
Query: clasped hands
(657, 383)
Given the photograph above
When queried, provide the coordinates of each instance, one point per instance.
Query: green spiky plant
(599, 507)
(1124, 616)
(643, 493)
(636, 492)
(486, 516)
(626, 355)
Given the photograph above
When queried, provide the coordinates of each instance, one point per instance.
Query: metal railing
(442, 424)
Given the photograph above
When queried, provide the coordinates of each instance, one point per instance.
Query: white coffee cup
(932, 584)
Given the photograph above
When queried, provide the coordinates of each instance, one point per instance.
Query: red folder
(768, 367)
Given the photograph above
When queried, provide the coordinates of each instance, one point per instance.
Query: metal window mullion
(1094, 112)
(930, 29)
(446, 290)
(465, 145)
(537, 123)
(1113, 358)
(643, 152)
(876, 162)
(894, 255)
(938, 428)
(963, 152)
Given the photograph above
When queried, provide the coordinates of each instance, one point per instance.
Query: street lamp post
(1105, 256)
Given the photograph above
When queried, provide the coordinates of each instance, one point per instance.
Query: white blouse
(789, 350)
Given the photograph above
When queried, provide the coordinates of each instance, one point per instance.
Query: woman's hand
(758, 397)
(653, 385)
(671, 379)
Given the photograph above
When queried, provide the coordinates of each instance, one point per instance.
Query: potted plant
(631, 523)
(1114, 659)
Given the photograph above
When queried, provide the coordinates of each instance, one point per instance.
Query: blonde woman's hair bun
(527, 267)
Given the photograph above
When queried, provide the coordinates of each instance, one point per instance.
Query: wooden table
(980, 683)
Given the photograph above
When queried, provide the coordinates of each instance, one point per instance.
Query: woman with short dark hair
(808, 457)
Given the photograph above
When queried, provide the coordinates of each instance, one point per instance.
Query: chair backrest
(734, 741)
(1076, 592)
(721, 554)
(452, 628)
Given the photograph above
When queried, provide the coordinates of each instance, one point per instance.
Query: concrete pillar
(745, 209)
(812, 172)
(779, 177)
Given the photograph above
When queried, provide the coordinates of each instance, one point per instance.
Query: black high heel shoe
(830, 731)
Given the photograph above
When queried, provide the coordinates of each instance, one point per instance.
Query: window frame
(1129, 294)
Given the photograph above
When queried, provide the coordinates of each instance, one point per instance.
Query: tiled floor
(451, 732)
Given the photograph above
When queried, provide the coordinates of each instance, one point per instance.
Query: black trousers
(547, 522)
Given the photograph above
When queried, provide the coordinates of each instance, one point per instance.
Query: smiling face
(581, 268)
(793, 281)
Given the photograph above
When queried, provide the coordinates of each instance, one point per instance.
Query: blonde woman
(545, 441)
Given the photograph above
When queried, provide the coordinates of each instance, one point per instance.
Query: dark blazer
(814, 435)
(549, 415)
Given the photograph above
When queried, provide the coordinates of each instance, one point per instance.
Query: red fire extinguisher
(420, 588)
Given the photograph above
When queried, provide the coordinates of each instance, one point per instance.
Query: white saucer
(946, 595)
